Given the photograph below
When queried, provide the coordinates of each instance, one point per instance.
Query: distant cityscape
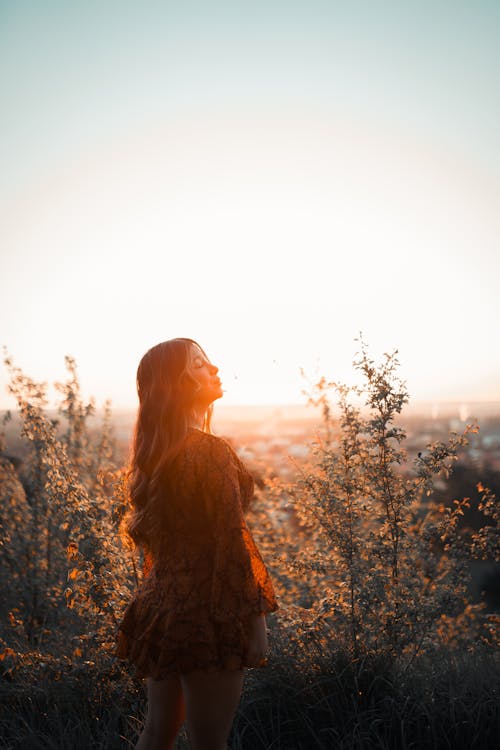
(279, 435)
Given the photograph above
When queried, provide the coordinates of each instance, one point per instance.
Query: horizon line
(428, 402)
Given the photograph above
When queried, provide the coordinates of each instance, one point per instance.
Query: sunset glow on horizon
(269, 183)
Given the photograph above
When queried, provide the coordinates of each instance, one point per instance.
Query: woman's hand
(257, 641)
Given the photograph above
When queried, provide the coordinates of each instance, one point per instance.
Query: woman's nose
(214, 369)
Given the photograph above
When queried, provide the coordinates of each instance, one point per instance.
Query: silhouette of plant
(393, 562)
(60, 525)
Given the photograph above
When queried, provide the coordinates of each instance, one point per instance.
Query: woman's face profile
(205, 374)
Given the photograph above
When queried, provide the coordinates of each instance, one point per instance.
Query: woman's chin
(214, 396)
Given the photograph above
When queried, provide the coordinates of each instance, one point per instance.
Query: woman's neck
(197, 419)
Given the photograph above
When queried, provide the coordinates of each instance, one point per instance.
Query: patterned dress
(206, 577)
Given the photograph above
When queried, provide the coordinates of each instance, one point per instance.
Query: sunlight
(273, 240)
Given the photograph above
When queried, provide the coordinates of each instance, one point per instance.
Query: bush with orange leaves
(377, 567)
(65, 569)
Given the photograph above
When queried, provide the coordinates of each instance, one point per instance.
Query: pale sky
(269, 178)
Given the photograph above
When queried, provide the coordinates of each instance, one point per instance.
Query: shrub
(389, 565)
(64, 565)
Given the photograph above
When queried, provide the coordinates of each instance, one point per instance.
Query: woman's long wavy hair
(166, 393)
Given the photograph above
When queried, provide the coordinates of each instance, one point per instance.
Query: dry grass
(443, 702)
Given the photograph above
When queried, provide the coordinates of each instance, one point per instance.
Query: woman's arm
(241, 586)
(257, 641)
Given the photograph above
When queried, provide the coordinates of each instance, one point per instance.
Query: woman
(198, 618)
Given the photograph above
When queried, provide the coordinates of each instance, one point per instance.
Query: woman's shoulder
(211, 446)
(215, 462)
(207, 440)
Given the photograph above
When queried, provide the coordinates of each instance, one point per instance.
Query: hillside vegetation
(376, 643)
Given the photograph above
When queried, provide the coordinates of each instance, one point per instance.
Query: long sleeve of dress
(241, 585)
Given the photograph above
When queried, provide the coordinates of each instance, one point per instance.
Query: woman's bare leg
(165, 715)
(211, 700)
